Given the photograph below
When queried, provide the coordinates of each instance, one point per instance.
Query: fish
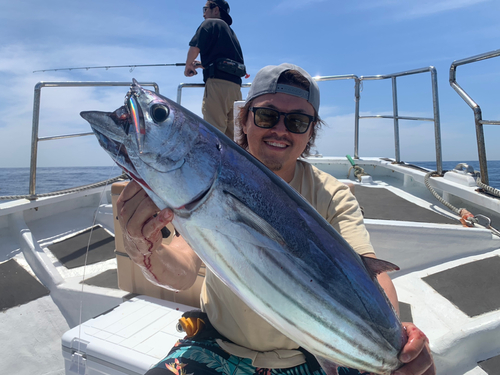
(255, 233)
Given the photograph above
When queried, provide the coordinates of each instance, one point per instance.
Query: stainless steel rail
(435, 103)
(478, 116)
(36, 120)
(194, 85)
(396, 117)
(357, 97)
(318, 79)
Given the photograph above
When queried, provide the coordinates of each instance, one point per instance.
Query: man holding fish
(279, 123)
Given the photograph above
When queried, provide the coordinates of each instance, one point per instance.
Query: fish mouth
(120, 155)
(110, 128)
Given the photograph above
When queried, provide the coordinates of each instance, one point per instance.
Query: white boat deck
(32, 331)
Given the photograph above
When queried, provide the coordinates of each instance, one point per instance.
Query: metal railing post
(437, 121)
(357, 98)
(36, 120)
(396, 117)
(396, 120)
(478, 117)
(194, 85)
(34, 137)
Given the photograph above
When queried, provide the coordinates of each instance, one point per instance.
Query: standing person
(222, 64)
(279, 123)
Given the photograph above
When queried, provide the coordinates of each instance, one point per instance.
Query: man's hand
(174, 266)
(190, 71)
(141, 228)
(416, 354)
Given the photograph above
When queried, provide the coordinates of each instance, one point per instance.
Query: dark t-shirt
(216, 39)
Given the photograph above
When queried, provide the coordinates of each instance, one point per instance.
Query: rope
(466, 218)
(438, 197)
(67, 191)
(358, 172)
(489, 189)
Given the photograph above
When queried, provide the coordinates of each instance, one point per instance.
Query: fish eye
(159, 113)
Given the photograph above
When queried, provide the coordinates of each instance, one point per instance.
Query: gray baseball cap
(266, 82)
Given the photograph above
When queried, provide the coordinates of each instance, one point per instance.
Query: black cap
(224, 10)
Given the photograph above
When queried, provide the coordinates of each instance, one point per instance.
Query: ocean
(15, 181)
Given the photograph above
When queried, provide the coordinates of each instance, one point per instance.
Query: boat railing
(196, 85)
(478, 116)
(35, 139)
(395, 116)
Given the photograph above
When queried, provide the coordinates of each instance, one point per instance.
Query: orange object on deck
(466, 217)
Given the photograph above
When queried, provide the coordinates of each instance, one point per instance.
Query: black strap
(227, 66)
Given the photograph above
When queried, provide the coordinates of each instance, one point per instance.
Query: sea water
(15, 181)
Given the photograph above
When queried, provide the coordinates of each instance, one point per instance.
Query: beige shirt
(244, 327)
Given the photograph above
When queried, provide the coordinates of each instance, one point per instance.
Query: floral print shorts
(206, 357)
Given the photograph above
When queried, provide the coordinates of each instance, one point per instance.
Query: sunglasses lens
(297, 123)
(266, 118)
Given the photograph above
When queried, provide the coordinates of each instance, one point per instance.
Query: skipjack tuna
(241, 218)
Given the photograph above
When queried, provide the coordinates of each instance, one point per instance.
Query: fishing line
(87, 253)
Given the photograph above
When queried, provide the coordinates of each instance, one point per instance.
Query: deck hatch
(106, 279)
(18, 286)
(382, 204)
(473, 287)
(71, 252)
(491, 366)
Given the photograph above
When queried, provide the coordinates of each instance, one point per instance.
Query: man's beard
(273, 165)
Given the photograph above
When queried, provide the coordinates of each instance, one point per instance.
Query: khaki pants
(218, 103)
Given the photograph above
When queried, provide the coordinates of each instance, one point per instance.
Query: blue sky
(325, 37)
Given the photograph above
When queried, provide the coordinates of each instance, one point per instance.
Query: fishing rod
(132, 67)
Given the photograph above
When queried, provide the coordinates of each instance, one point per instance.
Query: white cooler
(129, 339)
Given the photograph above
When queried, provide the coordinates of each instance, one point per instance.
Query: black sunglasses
(266, 118)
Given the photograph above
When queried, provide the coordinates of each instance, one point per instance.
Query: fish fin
(377, 266)
(254, 221)
(329, 367)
